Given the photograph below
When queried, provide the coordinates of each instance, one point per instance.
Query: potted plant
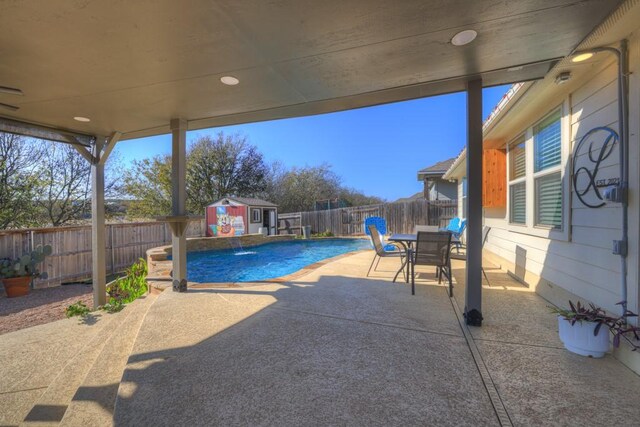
(16, 274)
(581, 329)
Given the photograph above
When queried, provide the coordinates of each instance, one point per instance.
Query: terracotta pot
(17, 286)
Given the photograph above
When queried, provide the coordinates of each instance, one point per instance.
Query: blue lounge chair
(456, 227)
(381, 227)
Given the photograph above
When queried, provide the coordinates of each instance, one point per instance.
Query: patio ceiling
(131, 66)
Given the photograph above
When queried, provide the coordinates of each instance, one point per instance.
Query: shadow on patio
(335, 347)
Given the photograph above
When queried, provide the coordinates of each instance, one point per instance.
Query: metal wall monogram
(590, 154)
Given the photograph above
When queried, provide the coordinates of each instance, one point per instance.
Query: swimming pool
(266, 261)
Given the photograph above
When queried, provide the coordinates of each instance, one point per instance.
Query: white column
(98, 233)
(473, 291)
(179, 200)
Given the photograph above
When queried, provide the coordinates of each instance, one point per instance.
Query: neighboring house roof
(419, 195)
(436, 170)
(249, 201)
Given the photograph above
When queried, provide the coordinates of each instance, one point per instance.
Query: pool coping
(160, 283)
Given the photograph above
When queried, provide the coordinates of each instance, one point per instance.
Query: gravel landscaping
(40, 306)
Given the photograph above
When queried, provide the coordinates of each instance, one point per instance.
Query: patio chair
(432, 248)
(454, 224)
(381, 227)
(463, 257)
(430, 228)
(381, 252)
(456, 227)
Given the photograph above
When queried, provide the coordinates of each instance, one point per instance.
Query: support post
(473, 291)
(179, 199)
(98, 241)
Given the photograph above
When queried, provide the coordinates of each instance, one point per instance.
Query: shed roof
(249, 201)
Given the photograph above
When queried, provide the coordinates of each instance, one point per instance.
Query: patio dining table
(407, 241)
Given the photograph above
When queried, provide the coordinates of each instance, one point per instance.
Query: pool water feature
(267, 261)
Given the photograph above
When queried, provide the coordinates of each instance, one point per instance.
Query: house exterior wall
(579, 257)
(440, 189)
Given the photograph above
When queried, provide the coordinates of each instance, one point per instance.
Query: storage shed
(235, 216)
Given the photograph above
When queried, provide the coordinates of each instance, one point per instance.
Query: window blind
(547, 142)
(518, 203)
(517, 159)
(549, 200)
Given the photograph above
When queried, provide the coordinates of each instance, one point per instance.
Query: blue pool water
(266, 261)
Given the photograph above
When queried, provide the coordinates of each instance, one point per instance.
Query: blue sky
(377, 150)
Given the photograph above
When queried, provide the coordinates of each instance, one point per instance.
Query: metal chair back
(432, 248)
(430, 228)
(485, 234)
(375, 238)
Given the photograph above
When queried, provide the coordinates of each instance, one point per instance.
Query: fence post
(113, 255)
(31, 241)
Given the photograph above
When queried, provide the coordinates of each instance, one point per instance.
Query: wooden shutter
(494, 178)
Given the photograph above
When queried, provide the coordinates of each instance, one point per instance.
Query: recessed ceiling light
(229, 80)
(582, 57)
(464, 37)
(82, 119)
(518, 68)
(11, 90)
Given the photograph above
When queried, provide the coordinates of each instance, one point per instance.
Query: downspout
(621, 247)
(623, 111)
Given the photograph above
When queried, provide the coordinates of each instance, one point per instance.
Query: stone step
(93, 403)
(51, 406)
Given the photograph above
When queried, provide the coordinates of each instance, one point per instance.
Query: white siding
(584, 265)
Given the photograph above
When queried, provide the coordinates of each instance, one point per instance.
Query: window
(534, 175)
(256, 215)
(547, 153)
(517, 184)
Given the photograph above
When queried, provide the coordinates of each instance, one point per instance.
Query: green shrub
(77, 309)
(326, 233)
(113, 306)
(129, 287)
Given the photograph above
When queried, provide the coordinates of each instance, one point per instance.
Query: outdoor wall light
(464, 37)
(229, 80)
(563, 77)
(82, 119)
(582, 57)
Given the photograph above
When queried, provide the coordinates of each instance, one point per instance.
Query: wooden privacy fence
(71, 257)
(401, 217)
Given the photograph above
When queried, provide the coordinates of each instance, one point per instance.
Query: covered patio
(332, 346)
(106, 73)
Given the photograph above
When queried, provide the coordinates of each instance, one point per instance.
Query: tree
(354, 197)
(19, 158)
(148, 184)
(223, 166)
(64, 186)
(216, 167)
(299, 188)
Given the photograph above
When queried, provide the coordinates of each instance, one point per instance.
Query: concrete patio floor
(337, 348)
(332, 347)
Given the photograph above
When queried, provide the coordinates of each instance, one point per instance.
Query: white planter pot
(579, 338)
